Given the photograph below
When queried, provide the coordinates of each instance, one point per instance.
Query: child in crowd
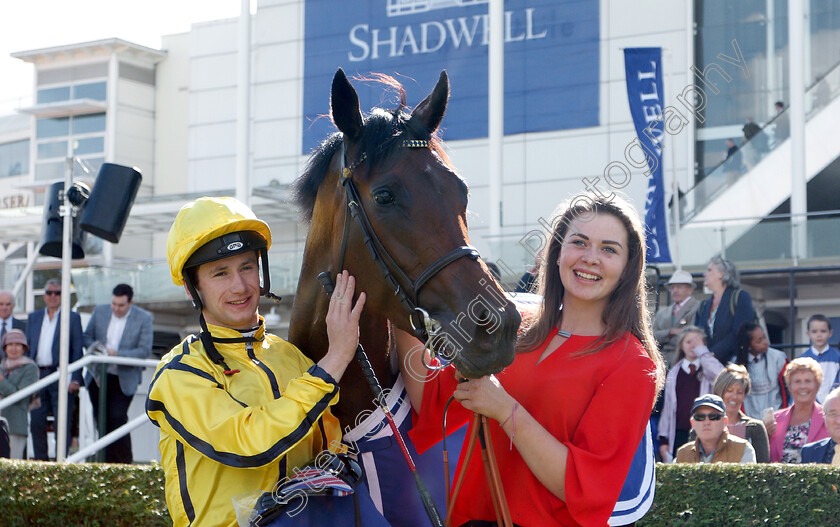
(766, 367)
(693, 375)
(819, 331)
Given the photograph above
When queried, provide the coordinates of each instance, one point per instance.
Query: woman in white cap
(17, 371)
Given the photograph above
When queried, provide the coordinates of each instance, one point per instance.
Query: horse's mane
(380, 134)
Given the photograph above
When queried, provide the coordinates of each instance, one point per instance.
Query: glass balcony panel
(759, 146)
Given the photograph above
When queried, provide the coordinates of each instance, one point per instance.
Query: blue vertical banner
(552, 50)
(643, 69)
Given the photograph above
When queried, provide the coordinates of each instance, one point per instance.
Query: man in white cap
(670, 320)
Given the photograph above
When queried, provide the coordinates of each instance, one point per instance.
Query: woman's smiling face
(592, 258)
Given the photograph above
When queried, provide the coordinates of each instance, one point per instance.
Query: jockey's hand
(342, 326)
(485, 396)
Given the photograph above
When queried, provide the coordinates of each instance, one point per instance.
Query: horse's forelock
(378, 140)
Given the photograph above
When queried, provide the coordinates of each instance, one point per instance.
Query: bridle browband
(403, 286)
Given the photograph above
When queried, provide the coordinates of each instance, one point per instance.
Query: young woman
(568, 414)
(691, 377)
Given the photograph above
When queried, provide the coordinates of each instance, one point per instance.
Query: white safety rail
(87, 360)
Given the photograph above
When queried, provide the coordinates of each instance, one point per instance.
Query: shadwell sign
(551, 59)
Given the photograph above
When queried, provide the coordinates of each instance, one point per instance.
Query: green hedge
(33, 493)
(756, 494)
(36, 493)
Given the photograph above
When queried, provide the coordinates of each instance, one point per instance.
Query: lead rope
(479, 428)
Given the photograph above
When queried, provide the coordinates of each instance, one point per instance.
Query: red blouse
(597, 405)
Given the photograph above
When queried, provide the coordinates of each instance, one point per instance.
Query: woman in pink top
(803, 421)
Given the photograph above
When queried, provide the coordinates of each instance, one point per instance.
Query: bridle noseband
(406, 289)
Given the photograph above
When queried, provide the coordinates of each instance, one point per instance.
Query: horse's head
(406, 242)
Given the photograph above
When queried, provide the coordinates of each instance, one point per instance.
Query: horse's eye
(383, 197)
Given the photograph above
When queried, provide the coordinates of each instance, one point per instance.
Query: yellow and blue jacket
(225, 435)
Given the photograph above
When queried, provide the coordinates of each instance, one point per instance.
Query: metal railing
(818, 95)
(74, 366)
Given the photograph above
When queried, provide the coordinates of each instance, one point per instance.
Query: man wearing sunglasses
(43, 335)
(714, 443)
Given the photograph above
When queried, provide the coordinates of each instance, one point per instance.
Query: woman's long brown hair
(627, 306)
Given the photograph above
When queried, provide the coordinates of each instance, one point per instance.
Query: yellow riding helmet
(204, 220)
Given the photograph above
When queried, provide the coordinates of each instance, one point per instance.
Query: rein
(479, 429)
(403, 286)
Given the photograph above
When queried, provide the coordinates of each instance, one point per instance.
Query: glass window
(53, 127)
(52, 149)
(90, 145)
(48, 95)
(46, 171)
(14, 158)
(92, 164)
(85, 124)
(94, 90)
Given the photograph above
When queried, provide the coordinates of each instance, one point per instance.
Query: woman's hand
(486, 397)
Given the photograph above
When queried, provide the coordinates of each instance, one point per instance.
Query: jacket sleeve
(143, 346)
(76, 345)
(29, 375)
(660, 330)
(191, 405)
(710, 366)
(724, 348)
(89, 335)
(598, 462)
(760, 442)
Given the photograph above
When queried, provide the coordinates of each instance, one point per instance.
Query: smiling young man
(239, 408)
(714, 444)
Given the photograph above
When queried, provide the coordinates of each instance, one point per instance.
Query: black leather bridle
(403, 286)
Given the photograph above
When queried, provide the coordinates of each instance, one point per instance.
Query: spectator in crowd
(802, 422)
(17, 371)
(751, 144)
(7, 321)
(782, 122)
(731, 148)
(825, 450)
(43, 331)
(692, 376)
(494, 271)
(528, 282)
(819, 331)
(766, 367)
(670, 320)
(733, 385)
(732, 162)
(239, 408)
(122, 330)
(714, 443)
(5, 446)
(722, 314)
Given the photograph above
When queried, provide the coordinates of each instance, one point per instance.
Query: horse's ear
(344, 106)
(430, 111)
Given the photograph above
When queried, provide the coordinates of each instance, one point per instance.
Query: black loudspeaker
(52, 227)
(110, 201)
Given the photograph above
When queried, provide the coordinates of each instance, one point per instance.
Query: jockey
(239, 408)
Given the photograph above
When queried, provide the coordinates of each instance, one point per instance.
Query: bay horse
(415, 205)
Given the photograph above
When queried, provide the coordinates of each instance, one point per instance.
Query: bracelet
(512, 418)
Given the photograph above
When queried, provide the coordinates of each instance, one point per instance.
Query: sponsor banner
(643, 68)
(551, 60)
